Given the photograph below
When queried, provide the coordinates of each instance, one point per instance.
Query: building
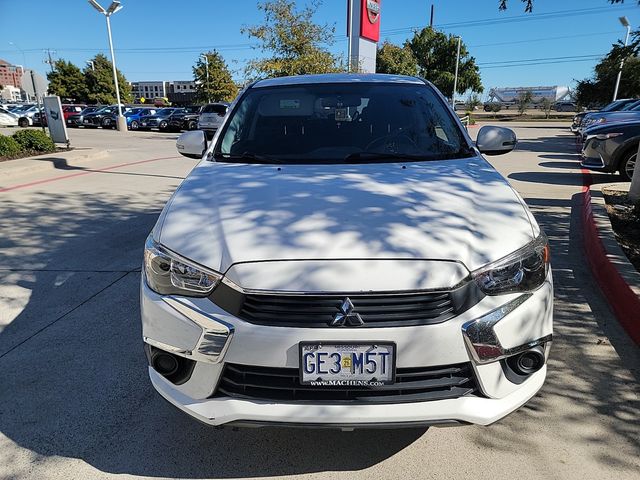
(178, 92)
(182, 92)
(10, 94)
(10, 74)
(149, 90)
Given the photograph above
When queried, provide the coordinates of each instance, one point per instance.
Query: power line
(541, 63)
(544, 39)
(501, 62)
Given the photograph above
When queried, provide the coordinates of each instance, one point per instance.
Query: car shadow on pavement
(74, 381)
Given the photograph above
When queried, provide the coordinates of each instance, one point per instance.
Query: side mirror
(192, 144)
(496, 140)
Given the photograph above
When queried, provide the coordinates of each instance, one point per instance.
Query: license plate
(347, 364)
(86, 121)
(144, 124)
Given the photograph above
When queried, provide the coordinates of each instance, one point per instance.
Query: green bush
(34, 140)
(8, 146)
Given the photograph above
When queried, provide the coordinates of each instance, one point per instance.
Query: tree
(436, 56)
(397, 60)
(292, 42)
(599, 88)
(99, 82)
(472, 102)
(67, 81)
(218, 85)
(523, 101)
(546, 105)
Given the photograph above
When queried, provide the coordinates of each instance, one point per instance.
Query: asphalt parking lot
(75, 401)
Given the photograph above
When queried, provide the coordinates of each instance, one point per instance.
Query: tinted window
(342, 123)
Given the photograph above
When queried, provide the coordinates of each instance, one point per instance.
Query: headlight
(522, 271)
(169, 274)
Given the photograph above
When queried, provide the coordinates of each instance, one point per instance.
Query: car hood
(618, 116)
(459, 211)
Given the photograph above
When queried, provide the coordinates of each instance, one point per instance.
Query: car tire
(23, 122)
(628, 164)
(162, 126)
(134, 125)
(192, 125)
(106, 123)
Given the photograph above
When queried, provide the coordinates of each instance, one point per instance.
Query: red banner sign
(370, 19)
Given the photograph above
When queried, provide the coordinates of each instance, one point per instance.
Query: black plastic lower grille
(417, 384)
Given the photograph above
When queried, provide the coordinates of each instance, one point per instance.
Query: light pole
(113, 8)
(206, 63)
(625, 23)
(455, 78)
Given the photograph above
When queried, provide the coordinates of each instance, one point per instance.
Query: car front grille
(318, 310)
(416, 384)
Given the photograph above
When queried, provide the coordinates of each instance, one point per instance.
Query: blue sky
(161, 39)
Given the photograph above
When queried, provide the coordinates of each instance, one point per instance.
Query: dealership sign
(370, 20)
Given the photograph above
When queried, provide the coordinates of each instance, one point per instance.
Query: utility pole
(49, 60)
(431, 19)
(455, 78)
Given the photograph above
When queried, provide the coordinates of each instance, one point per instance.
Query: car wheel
(628, 164)
(162, 125)
(192, 125)
(106, 123)
(23, 122)
(134, 125)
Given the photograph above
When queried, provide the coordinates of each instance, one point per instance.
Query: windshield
(341, 123)
(135, 111)
(164, 112)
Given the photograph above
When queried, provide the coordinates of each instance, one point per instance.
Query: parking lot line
(78, 174)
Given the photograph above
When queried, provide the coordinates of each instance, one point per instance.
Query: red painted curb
(622, 300)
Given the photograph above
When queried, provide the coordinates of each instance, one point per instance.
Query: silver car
(211, 117)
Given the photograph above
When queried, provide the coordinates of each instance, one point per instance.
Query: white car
(211, 117)
(8, 119)
(343, 256)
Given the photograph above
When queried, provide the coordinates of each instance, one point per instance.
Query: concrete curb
(52, 161)
(615, 275)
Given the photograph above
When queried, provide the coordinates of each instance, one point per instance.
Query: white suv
(343, 256)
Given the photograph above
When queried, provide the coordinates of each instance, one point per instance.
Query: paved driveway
(75, 402)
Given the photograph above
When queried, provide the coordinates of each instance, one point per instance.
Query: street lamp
(91, 64)
(113, 8)
(206, 63)
(625, 23)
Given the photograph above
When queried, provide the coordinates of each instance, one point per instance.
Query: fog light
(165, 363)
(527, 362)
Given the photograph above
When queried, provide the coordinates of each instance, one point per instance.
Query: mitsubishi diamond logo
(346, 316)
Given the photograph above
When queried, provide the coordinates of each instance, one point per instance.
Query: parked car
(75, 120)
(103, 117)
(159, 120)
(25, 114)
(565, 106)
(630, 112)
(134, 115)
(612, 107)
(612, 148)
(187, 119)
(8, 119)
(211, 117)
(343, 256)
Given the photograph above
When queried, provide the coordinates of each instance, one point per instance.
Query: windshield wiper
(373, 156)
(249, 156)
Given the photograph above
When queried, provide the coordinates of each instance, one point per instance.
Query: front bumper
(426, 345)
(595, 156)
